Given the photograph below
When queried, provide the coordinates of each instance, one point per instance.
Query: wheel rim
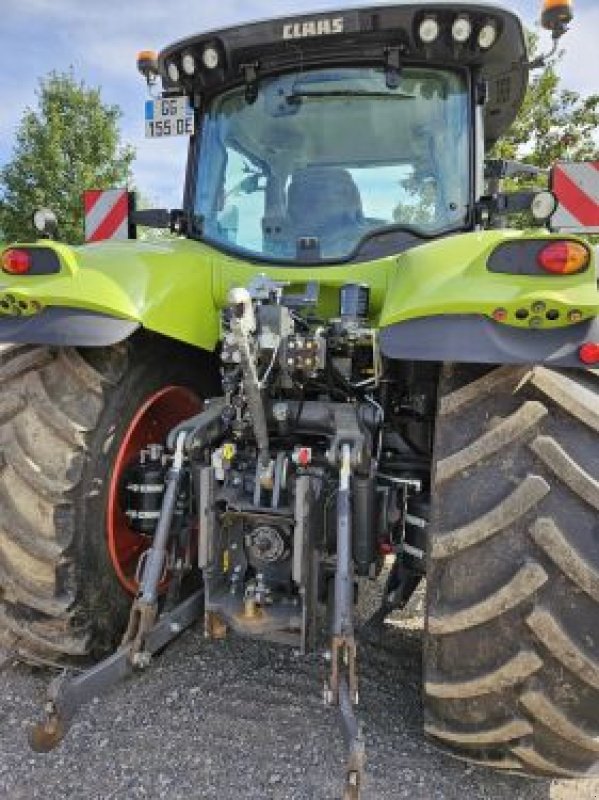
(151, 423)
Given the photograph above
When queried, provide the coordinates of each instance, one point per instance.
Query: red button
(304, 456)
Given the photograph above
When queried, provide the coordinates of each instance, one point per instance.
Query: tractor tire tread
(43, 455)
(513, 570)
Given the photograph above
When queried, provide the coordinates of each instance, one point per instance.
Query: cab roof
(365, 35)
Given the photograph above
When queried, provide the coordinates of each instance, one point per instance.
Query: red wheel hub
(151, 424)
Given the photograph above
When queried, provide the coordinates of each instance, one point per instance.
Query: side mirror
(556, 16)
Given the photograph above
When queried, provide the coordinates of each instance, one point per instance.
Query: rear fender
(443, 305)
(104, 292)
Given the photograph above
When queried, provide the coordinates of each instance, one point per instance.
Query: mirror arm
(541, 61)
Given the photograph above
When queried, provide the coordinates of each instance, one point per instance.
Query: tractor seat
(320, 200)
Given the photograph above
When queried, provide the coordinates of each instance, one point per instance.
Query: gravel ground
(240, 719)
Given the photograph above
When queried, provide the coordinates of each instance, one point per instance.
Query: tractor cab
(332, 137)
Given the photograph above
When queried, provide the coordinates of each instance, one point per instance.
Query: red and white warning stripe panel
(576, 186)
(106, 214)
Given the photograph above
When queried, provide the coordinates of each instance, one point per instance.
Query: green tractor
(344, 355)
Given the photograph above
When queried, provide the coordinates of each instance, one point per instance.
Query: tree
(554, 124)
(69, 143)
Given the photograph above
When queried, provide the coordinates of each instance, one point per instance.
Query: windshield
(322, 158)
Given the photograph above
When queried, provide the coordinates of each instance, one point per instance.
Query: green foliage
(554, 124)
(69, 143)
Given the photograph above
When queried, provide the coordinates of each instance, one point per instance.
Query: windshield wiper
(299, 94)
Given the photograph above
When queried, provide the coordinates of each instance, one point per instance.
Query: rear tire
(512, 632)
(63, 413)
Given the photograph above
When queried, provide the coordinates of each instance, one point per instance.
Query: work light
(188, 64)
(44, 221)
(487, 36)
(461, 29)
(543, 206)
(210, 57)
(429, 30)
(172, 71)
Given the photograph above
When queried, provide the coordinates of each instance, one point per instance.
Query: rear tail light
(16, 262)
(589, 353)
(564, 258)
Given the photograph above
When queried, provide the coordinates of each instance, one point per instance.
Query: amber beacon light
(147, 63)
(557, 15)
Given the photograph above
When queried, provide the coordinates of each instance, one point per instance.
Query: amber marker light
(16, 262)
(564, 258)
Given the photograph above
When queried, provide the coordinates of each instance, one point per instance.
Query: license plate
(169, 116)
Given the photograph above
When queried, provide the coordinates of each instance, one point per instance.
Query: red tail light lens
(16, 262)
(564, 258)
(589, 353)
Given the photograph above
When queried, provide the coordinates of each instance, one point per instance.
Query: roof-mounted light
(147, 63)
(188, 64)
(211, 57)
(429, 30)
(556, 15)
(487, 36)
(172, 70)
(461, 29)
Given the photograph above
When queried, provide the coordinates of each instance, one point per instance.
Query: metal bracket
(481, 93)
(500, 168)
(392, 67)
(250, 76)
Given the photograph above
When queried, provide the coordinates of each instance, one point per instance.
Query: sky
(100, 40)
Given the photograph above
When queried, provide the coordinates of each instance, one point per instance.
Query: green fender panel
(164, 287)
(450, 277)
